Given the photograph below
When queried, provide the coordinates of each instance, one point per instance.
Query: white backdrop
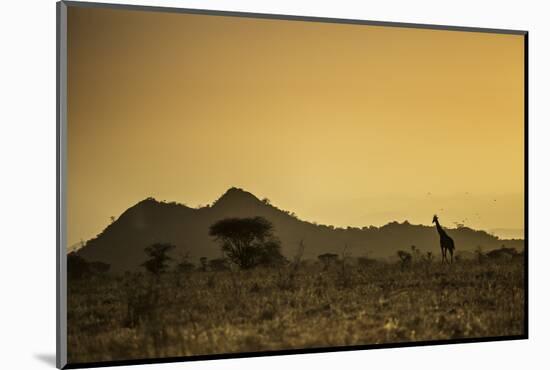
(27, 185)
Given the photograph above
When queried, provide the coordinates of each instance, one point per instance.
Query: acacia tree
(270, 254)
(247, 242)
(158, 258)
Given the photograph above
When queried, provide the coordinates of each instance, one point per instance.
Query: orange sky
(342, 124)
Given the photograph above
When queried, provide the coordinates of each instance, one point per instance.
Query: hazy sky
(342, 124)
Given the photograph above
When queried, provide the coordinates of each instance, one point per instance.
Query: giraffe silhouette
(445, 241)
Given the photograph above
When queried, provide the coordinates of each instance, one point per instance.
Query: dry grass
(136, 317)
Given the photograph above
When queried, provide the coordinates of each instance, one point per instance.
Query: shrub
(327, 259)
(218, 264)
(158, 258)
(405, 258)
(79, 268)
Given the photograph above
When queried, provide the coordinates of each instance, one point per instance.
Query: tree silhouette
(184, 265)
(405, 258)
(78, 267)
(502, 253)
(218, 264)
(247, 242)
(327, 259)
(270, 255)
(158, 258)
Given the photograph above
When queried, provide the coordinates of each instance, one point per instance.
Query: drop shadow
(47, 358)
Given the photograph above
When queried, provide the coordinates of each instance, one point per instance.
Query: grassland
(136, 316)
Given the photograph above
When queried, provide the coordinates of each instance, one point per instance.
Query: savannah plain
(304, 304)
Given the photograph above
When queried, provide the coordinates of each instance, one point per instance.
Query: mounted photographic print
(235, 184)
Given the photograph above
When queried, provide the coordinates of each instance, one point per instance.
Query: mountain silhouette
(121, 244)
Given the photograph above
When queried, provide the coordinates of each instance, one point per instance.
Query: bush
(218, 264)
(158, 261)
(405, 258)
(328, 259)
(79, 268)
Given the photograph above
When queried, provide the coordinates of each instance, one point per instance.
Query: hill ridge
(148, 221)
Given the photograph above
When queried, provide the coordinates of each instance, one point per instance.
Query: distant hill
(121, 244)
(508, 233)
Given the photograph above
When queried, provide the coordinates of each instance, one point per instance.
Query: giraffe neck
(439, 228)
